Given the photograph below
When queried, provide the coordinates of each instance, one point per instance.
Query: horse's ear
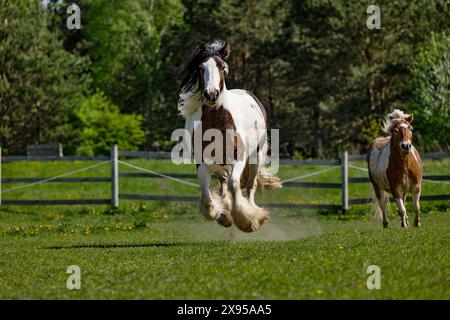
(225, 51)
(410, 118)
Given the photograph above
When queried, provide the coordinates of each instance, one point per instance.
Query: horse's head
(402, 134)
(399, 125)
(212, 78)
(206, 71)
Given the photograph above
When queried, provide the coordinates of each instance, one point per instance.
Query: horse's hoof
(263, 220)
(250, 227)
(225, 220)
(256, 225)
(385, 225)
(246, 226)
(417, 224)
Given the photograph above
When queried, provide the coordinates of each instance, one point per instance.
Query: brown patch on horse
(395, 171)
(221, 65)
(401, 165)
(220, 119)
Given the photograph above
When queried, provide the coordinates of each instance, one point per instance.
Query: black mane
(205, 50)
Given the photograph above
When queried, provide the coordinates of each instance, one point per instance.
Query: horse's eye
(395, 130)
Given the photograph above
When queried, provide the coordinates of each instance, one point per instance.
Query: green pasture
(156, 250)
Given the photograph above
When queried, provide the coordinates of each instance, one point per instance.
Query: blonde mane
(392, 118)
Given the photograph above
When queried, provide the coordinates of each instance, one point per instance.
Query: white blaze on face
(405, 141)
(211, 75)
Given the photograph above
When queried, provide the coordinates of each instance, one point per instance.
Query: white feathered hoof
(249, 218)
(225, 219)
(211, 209)
(227, 201)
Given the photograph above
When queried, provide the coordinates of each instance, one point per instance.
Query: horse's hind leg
(416, 208)
(383, 202)
(210, 203)
(251, 184)
(251, 187)
(225, 219)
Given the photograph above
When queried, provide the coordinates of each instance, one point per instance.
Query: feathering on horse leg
(252, 187)
(246, 217)
(225, 219)
(210, 203)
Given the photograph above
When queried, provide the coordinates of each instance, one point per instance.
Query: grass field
(166, 250)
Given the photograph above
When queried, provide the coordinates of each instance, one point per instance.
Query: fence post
(114, 176)
(344, 176)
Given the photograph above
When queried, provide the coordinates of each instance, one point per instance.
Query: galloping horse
(206, 103)
(395, 166)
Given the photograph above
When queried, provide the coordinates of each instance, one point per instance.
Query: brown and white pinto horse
(395, 166)
(208, 106)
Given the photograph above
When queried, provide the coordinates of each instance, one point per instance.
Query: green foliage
(124, 38)
(371, 131)
(431, 92)
(326, 80)
(100, 125)
(40, 82)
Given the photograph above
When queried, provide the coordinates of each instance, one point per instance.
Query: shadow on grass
(113, 246)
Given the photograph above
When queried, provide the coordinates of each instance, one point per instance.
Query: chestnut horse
(208, 106)
(395, 166)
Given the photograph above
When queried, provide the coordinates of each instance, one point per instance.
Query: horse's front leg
(402, 210)
(416, 208)
(225, 218)
(248, 218)
(210, 203)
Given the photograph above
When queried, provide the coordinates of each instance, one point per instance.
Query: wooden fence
(115, 175)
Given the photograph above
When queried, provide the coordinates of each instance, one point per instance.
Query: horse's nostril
(406, 146)
(211, 96)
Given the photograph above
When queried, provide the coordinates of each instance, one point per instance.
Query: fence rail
(55, 202)
(116, 196)
(30, 180)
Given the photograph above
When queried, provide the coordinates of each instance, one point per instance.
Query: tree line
(326, 79)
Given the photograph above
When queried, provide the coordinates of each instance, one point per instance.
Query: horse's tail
(266, 180)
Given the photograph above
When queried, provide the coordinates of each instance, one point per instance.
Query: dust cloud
(278, 228)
